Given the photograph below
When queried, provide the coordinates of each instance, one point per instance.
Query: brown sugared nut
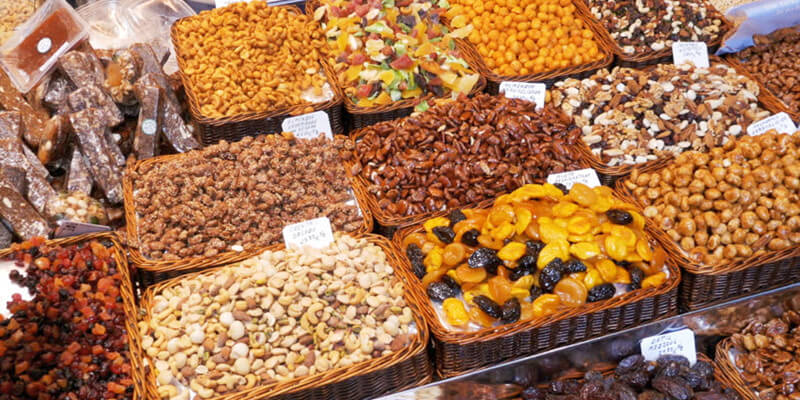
(462, 152)
(746, 221)
(773, 61)
(240, 194)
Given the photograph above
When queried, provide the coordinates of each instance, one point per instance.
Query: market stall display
(300, 321)
(644, 117)
(248, 66)
(14, 14)
(536, 259)
(728, 216)
(390, 56)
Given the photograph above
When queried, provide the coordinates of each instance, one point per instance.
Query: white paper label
(679, 343)
(223, 3)
(70, 228)
(781, 122)
(586, 176)
(44, 45)
(533, 92)
(693, 52)
(314, 232)
(308, 126)
(149, 127)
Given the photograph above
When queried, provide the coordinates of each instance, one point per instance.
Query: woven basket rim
(194, 104)
(730, 371)
(416, 346)
(185, 264)
(680, 256)
(770, 101)
(441, 333)
(126, 292)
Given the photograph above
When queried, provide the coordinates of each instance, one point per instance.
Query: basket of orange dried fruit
(541, 267)
(530, 40)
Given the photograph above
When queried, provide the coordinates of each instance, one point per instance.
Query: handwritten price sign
(679, 343)
(692, 52)
(314, 232)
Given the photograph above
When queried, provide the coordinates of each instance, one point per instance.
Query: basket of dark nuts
(730, 217)
(538, 269)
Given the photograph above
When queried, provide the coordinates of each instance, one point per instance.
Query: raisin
(551, 274)
(438, 291)
(576, 266)
(415, 255)
(485, 258)
(674, 387)
(703, 368)
(629, 364)
(637, 276)
(444, 233)
(511, 310)
(533, 248)
(470, 237)
(524, 267)
(533, 393)
(455, 217)
(601, 292)
(454, 286)
(562, 188)
(619, 217)
(488, 306)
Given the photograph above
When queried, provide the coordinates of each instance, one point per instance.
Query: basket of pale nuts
(729, 217)
(296, 323)
(248, 66)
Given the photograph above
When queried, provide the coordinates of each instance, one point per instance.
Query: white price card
(314, 232)
(223, 3)
(586, 176)
(679, 343)
(308, 126)
(70, 228)
(694, 52)
(781, 122)
(533, 92)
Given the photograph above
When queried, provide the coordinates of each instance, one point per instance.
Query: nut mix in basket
(768, 358)
(281, 315)
(537, 250)
(643, 26)
(526, 37)
(250, 57)
(669, 377)
(384, 53)
(70, 339)
(773, 61)
(208, 201)
(631, 116)
(462, 152)
(736, 201)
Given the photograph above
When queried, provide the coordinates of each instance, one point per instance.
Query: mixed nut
(462, 152)
(281, 315)
(537, 250)
(630, 116)
(240, 194)
(767, 357)
(644, 26)
(736, 201)
(773, 61)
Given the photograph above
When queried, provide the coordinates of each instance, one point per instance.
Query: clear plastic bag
(153, 20)
(759, 18)
(109, 25)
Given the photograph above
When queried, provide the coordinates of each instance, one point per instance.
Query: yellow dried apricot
(435, 222)
(472, 275)
(623, 276)
(564, 209)
(417, 238)
(433, 260)
(499, 289)
(526, 309)
(638, 220)
(582, 195)
(579, 225)
(512, 251)
(550, 231)
(592, 278)
(488, 241)
(602, 204)
(584, 250)
(625, 234)
(481, 318)
(643, 250)
(526, 282)
(654, 280)
(616, 248)
(607, 269)
(571, 292)
(455, 312)
(500, 214)
(656, 264)
(503, 231)
(524, 217)
(532, 231)
(551, 251)
(480, 290)
(546, 304)
(453, 254)
(433, 276)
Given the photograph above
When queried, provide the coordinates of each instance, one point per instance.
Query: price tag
(533, 92)
(223, 3)
(680, 343)
(71, 228)
(779, 122)
(308, 126)
(694, 52)
(314, 232)
(586, 176)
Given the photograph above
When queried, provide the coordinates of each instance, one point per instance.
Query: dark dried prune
(533, 393)
(470, 237)
(535, 292)
(651, 395)
(576, 266)
(484, 258)
(444, 233)
(637, 276)
(601, 292)
(488, 306)
(524, 267)
(569, 386)
(415, 255)
(622, 391)
(438, 291)
(629, 364)
(673, 386)
(551, 274)
(533, 248)
(562, 188)
(511, 310)
(705, 369)
(455, 217)
(667, 359)
(454, 286)
(637, 379)
(619, 217)
(710, 396)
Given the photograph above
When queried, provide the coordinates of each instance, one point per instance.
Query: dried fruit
(455, 217)
(455, 312)
(488, 306)
(551, 274)
(511, 311)
(415, 255)
(439, 291)
(470, 237)
(484, 258)
(620, 217)
(444, 233)
(601, 292)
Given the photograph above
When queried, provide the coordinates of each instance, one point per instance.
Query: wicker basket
(234, 128)
(493, 80)
(702, 284)
(153, 271)
(401, 370)
(730, 371)
(458, 352)
(359, 117)
(642, 59)
(770, 100)
(126, 292)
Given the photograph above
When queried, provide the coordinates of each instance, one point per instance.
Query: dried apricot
(526, 311)
(643, 250)
(453, 254)
(433, 276)
(481, 318)
(654, 280)
(607, 269)
(524, 217)
(571, 291)
(499, 289)
(455, 312)
(656, 264)
(417, 238)
(546, 304)
(473, 275)
(584, 250)
(592, 278)
(503, 231)
(623, 276)
(551, 251)
(579, 225)
(616, 248)
(582, 195)
(564, 209)
(512, 251)
(550, 230)
(488, 241)
(434, 222)
(434, 259)
(501, 214)
(532, 231)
